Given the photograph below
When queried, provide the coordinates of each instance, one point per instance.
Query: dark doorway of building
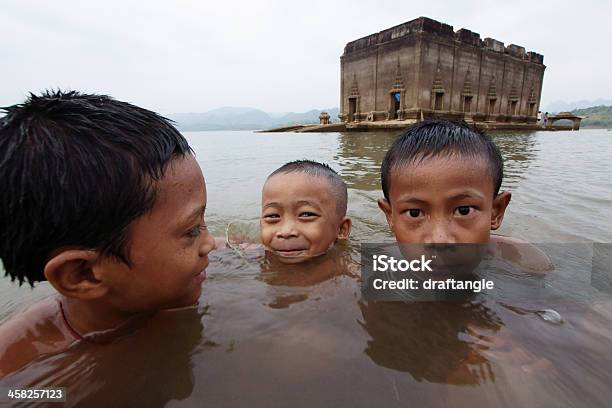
(532, 109)
(467, 104)
(513, 108)
(438, 100)
(492, 106)
(395, 103)
(352, 109)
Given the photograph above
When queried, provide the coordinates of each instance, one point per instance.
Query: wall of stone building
(492, 71)
(407, 52)
(437, 63)
(533, 80)
(540, 79)
(360, 67)
(491, 76)
(512, 81)
(466, 59)
(466, 68)
(375, 72)
(342, 71)
(433, 57)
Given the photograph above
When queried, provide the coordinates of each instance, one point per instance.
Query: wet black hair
(322, 170)
(75, 170)
(434, 138)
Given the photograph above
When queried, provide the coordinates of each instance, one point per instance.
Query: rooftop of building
(428, 25)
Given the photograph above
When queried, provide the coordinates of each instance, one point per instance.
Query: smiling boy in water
(441, 183)
(105, 201)
(303, 211)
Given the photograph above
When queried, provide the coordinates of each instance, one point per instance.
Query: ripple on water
(308, 337)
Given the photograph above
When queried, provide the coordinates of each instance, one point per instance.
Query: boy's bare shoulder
(30, 333)
(521, 252)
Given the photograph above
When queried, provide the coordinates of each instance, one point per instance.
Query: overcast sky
(279, 56)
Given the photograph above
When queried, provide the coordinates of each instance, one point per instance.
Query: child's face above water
(168, 247)
(443, 200)
(299, 219)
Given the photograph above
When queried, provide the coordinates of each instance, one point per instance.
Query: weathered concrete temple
(423, 68)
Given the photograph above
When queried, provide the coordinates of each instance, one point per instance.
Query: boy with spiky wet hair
(441, 182)
(105, 201)
(303, 211)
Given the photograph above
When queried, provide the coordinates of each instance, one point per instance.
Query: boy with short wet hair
(441, 182)
(105, 201)
(303, 211)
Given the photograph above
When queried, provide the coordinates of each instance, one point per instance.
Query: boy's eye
(307, 214)
(271, 217)
(464, 210)
(414, 212)
(196, 231)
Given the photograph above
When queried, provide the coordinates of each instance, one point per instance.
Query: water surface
(263, 335)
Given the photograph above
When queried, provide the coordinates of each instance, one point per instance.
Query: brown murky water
(264, 335)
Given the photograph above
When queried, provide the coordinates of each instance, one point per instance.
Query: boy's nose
(207, 245)
(287, 230)
(440, 233)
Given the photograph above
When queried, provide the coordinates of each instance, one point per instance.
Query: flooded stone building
(423, 68)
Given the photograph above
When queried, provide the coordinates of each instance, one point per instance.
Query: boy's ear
(345, 228)
(384, 205)
(71, 273)
(500, 203)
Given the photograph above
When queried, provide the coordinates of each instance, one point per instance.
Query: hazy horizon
(274, 56)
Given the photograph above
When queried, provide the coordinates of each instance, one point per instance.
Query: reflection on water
(518, 151)
(272, 335)
(298, 281)
(360, 156)
(313, 341)
(307, 274)
(428, 339)
(149, 367)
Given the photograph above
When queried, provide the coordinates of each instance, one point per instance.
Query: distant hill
(598, 116)
(564, 106)
(235, 118)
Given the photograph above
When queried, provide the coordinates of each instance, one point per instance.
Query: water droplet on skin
(550, 316)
